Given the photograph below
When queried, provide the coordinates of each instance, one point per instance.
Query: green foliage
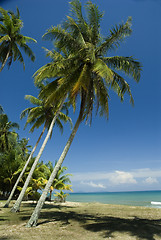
(7, 133)
(80, 63)
(11, 163)
(60, 196)
(11, 39)
(41, 113)
(14, 153)
(61, 180)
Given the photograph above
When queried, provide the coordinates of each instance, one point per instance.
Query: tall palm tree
(11, 39)
(6, 132)
(88, 71)
(38, 115)
(17, 204)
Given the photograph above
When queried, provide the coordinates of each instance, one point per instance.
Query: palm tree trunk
(17, 204)
(21, 174)
(35, 215)
(4, 63)
(50, 195)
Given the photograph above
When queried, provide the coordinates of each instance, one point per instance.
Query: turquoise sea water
(140, 198)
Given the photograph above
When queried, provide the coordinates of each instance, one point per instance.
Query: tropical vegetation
(11, 39)
(14, 153)
(36, 116)
(82, 65)
(82, 72)
(52, 116)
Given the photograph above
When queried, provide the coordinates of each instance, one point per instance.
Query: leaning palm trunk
(35, 215)
(21, 174)
(17, 204)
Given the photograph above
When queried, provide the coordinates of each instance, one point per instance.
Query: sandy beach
(83, 221)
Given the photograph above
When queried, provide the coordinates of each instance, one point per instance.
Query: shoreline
(77, 204)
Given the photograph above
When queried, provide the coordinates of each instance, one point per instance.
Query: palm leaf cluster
(11, 39)
(7, 133)
(43, 114)
(80, 63)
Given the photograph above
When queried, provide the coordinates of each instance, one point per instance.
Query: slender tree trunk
(17, 204)
(4, 63)
(50, 195)
(35, 215)
(21, 174)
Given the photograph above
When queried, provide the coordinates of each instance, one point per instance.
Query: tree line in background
(81, 70)
(14, 153)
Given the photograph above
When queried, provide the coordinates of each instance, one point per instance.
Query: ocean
(138, 198)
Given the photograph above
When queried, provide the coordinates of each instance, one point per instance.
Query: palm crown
(6, 132)
(43, 114)
(11, 40)
(81, 64)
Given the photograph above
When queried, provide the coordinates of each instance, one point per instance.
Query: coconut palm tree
(61, 196)
(89, 72)
(6, 132)
(11, 39)
(61, 179)
(38, 115)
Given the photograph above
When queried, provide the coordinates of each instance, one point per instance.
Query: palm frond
(120, 86)
(94, 17)
(15, 125)
(82, 81)
(59, 125)
(27, 50)
(29, 39)
(33, 100)
(38, 123)
(17, 54)
(63, 117)
(101, 69)
(73, 27)
(76, 10)
(5, 15)
(102, 96)
(63, 38)
(128, 65)
(117, 34)
(5, 38)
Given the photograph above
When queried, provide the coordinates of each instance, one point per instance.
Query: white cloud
(116, 177)
(150, 180)
(89, 176)
(120, 177)
(132, 175)
(136, 179)
(146, 172)
(94, 185)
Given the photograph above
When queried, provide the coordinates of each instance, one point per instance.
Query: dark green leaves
(11, 41)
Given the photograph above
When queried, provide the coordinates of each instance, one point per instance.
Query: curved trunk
(35, 215)
(4, 63)
(21, 174)
(17, 204)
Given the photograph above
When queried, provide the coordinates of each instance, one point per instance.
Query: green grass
(82, 221)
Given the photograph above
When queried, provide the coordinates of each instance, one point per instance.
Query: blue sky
(123, 153)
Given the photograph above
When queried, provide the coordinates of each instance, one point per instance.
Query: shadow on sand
(107, 226)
